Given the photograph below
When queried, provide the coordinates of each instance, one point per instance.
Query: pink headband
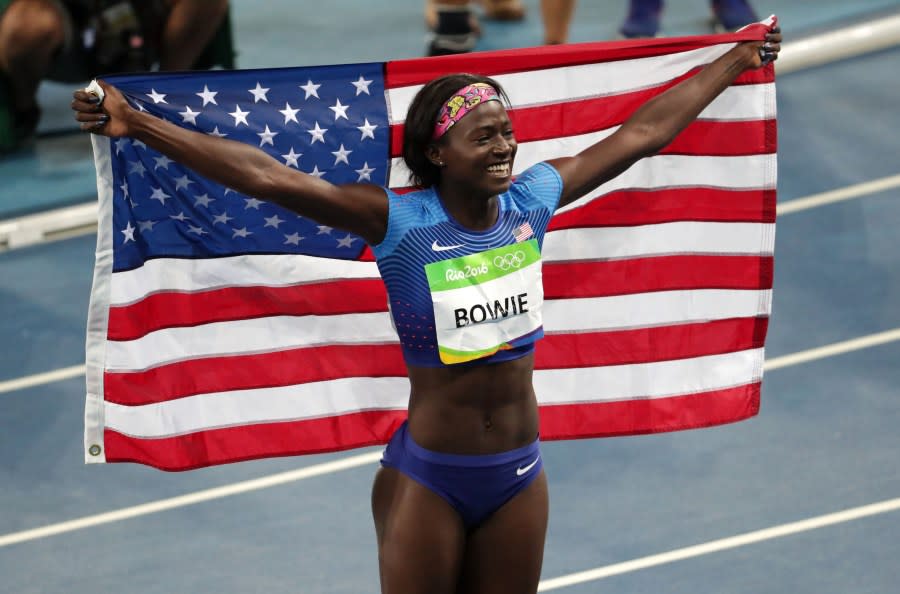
(462, 102)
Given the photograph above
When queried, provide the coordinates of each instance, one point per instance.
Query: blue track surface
(826, 438)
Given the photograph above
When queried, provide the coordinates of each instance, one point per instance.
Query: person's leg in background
(644, 16)
(455, 27)
(557, 15)
(730, 15)
(32, 32)
(188, 29)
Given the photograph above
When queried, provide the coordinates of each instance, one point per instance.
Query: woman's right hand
(109, 117)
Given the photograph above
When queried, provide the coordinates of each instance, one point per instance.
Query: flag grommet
(94, 450)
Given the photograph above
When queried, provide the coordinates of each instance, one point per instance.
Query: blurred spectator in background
(556, 14)
(454, 25)
(75, 40)
(456, 29)
(644, 16)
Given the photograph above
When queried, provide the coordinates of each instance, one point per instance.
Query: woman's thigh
(421, 538)
(505, 553)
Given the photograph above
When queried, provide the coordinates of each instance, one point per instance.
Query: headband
(462, 102)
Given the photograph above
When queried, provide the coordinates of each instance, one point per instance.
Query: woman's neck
(469, 210)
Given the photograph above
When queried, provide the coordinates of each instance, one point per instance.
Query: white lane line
(362, 459)
(192, 498)
(723, 544)
(832, 350)
(39, 379)
(848, 193)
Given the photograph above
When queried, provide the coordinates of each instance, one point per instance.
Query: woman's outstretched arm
(357, 208)
(656, 123)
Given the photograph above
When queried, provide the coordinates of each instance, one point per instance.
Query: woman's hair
(421, 119)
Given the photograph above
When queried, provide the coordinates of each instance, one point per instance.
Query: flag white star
(242, 232)
(146, 225)
(136, 167)
(290, 159)
(267, 136)
(346, 242)
(222, 218)
(240, 117)
(289, 113)
(340, 155)
(362, 85)
(215, 132)
(138, 144)
(179, 217)
(340, 111)
(158, 194)
(203, 200)
(208, 96)
(128, 232)
(367, 130)
(312, 89)
(157, 97)
(188, 115)
(273, 221)
(252, 203)
(259, 94)
(182, 182)
(162, 161)
(324, 230)
(316, 173)
(317, 133)
(121, 144)
(292, 239)
(365, 173)
(197, 230)
(124, 188)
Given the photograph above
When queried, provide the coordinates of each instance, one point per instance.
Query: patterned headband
(462, 102)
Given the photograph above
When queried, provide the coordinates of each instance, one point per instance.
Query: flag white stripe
(660, 239)
(565, 83)
(275, 333)
(334, 397)
(189, 275)
(185, 274)
(657, 172)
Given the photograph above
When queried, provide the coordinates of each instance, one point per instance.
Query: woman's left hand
(767, 51)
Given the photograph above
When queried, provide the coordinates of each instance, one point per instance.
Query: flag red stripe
(704, 137)
(178, 309)
(561, 280)
(644, 345)
(644, 207)
(664, 273)
(259, 370)
(568, 421)
(316, 364)
(251, 442)
(657, 415)
(417, 71)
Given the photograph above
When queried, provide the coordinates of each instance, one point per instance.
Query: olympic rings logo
(507, 261)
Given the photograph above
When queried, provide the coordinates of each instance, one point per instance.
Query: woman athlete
(460, 503)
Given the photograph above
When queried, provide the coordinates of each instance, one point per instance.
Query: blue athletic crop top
(421, 232)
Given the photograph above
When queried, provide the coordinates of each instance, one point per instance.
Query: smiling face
(477, 153)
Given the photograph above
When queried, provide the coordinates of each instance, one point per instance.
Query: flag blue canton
(330, 122)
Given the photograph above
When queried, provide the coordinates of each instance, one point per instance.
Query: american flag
(224, 328)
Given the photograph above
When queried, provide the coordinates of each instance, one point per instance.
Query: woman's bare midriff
(479, 409)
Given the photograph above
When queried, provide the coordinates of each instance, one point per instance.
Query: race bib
(484, 302)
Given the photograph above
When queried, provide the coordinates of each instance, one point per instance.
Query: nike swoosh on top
(441, 248)
(523, 469)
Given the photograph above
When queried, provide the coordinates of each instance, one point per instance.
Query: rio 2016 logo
(503, 262)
